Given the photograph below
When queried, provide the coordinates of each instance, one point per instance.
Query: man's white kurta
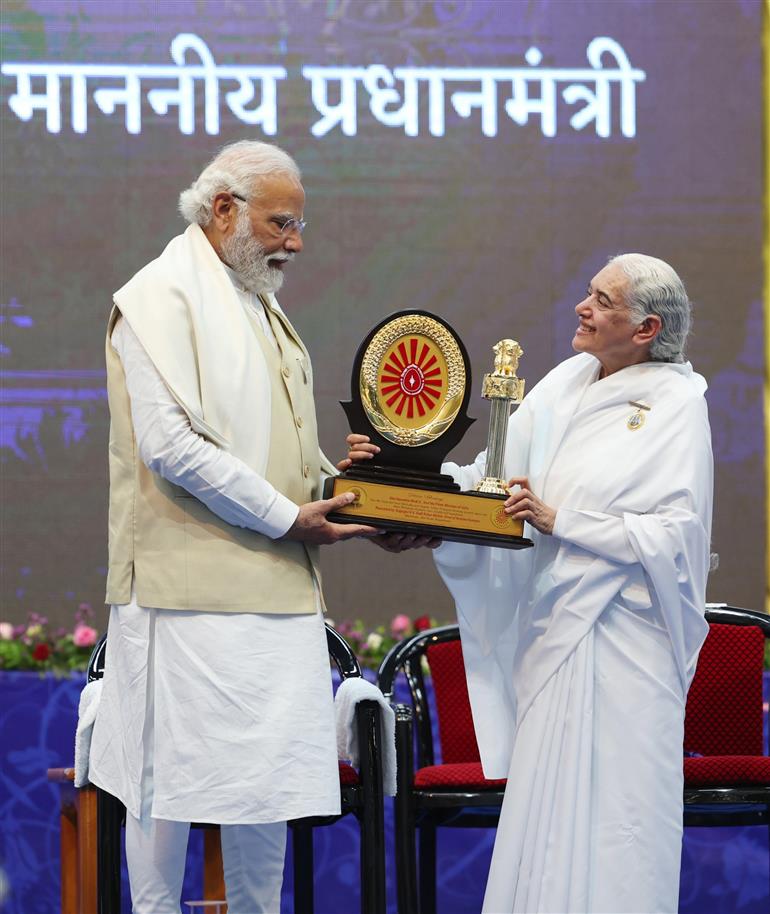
(242, 701)
(233, 713)
(579, 652)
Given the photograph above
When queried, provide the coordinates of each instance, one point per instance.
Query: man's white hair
(655, 288)
(237, 167)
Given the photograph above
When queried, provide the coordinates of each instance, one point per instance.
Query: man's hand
(312, 527)
(523, 505)
(400, 542)
(359, 448)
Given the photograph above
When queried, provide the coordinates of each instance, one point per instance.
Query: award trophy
(410, 388)
(502, 387)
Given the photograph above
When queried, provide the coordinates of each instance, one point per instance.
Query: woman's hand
(359, 448)
(524, 505)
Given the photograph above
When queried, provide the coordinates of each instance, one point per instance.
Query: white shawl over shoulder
(187, 316)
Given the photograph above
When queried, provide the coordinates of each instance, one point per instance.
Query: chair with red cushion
(360, 794)
(726, 773)
(452, 794)
(729, 784)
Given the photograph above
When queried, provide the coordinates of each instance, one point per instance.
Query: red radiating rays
(411, 381)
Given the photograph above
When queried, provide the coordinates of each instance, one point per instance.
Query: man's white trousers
(253, 858)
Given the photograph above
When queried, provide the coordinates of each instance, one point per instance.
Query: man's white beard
(244, 254)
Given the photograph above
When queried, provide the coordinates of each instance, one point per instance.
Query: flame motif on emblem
(411, 381)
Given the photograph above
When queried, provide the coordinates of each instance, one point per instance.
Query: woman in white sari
(579, 652)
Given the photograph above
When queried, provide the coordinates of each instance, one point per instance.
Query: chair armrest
(409, 648)
(721, 613)
(404, 747)
(97, 660)
(61, 775)
(368, 729)
(342, 654)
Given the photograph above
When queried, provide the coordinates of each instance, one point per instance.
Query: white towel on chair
(89, 702)
(350, 692)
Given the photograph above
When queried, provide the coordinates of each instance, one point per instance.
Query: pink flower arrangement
(371, 645)
(38, 646)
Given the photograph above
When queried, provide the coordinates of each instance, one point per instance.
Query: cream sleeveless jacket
(178, 552)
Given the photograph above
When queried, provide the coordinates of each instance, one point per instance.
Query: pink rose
(400, 625)
(6, 631)
(84, 636)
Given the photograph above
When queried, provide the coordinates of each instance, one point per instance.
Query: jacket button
(306, 471)
(299, 421)
(285, 371)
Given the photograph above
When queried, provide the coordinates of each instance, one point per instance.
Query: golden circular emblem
(412, 380)
(500, 519)
(360, 497)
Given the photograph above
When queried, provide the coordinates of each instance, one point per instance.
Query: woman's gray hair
(237, 168)
(655, 288)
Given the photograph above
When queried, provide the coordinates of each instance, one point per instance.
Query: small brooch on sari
(636, 419)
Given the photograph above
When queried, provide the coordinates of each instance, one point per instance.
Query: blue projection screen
(480, 160)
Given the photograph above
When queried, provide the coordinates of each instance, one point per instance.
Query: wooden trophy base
(428, 504)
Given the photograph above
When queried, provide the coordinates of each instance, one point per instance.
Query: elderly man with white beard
(214, 528)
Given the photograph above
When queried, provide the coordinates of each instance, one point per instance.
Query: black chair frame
(422, 811)
(364, 800)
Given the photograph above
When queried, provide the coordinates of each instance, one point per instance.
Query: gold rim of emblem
(412, 380)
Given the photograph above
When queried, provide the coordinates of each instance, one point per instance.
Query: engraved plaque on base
(410, 387)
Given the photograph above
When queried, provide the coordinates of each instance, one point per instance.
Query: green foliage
(12, 655)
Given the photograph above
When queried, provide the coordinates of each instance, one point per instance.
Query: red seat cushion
(726, 770)
(455, 722)
(348, 775)
(461, 775)
(724, 704)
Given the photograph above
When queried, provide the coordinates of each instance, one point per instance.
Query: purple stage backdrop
(476, 159)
